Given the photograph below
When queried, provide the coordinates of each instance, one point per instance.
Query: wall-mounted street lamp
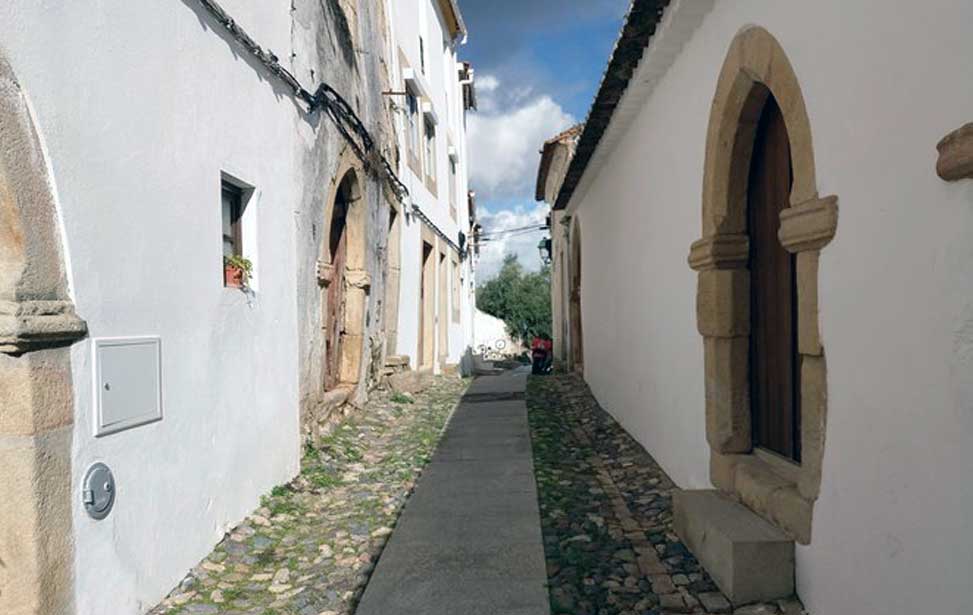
(544, 248)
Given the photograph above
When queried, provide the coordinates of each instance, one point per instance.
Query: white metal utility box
(128, 383)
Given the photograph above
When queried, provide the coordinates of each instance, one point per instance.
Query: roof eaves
(457, 26)
(547, 154)
(640, 25)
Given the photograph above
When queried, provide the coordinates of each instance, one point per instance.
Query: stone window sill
(779, 465)
(768, 485)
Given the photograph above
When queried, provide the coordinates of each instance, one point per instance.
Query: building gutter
(326, 98)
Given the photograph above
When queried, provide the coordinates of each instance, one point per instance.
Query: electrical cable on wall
(327, 98)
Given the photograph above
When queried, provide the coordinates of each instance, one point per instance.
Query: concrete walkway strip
(469, 539)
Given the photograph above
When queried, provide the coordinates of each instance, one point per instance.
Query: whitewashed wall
(140, 107)
(491, 332)
(883, 82)
(410, 20)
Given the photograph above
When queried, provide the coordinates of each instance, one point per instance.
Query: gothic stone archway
(37, 323)
(343, 278)
(756, 68)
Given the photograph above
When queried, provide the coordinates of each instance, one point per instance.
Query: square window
(412, 111)
(430, 150)
(238, 222)
(422, 55)
(232, 220)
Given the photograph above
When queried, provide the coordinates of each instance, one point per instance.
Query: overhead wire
(325, 97)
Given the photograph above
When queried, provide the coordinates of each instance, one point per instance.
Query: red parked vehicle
(541, 355)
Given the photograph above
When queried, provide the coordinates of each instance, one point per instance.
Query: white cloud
(506, 136)
(523, 245)
(487, 83)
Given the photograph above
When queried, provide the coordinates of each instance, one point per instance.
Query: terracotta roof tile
(639, 27)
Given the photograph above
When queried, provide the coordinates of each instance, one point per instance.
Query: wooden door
(774, 378)
(425, 316)
(442, 318)
(577, 331)
(338, 245)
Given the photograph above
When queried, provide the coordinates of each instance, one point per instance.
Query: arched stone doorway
(574, 298)
(757, 302)
(345, 283)
(37, 324)
(393, 279)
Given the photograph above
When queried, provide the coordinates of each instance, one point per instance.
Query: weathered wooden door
(774, 376)
(338, 245)
(425, 314)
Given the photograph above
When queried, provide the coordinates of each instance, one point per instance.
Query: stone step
(749, 559)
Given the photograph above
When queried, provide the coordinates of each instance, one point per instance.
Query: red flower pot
(233, 277)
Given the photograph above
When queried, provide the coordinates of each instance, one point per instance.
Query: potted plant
(236, 271)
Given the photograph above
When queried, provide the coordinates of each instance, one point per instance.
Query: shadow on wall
(345, 41)
(280, 89)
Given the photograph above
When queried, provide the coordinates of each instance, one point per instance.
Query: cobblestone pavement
(310, 547)
(606, 516)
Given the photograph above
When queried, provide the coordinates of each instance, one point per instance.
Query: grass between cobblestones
(311, 546)
(606, 516)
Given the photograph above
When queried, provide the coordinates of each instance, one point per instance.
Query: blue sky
(538, 64)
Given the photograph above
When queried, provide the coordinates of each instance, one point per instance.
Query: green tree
(522, 299)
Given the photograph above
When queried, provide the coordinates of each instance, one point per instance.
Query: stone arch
(576, 356)
(345, 285)
(755, 68)
(37, 323)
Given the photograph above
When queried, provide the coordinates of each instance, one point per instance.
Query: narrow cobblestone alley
(467, 538)
(468, 541)
(310, 547)
(607, 517)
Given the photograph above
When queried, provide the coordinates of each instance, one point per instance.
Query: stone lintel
(809, 225)
(727, 251)
(749, 559)
(956, 154)
(30, 325)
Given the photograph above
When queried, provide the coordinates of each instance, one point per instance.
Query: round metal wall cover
(99, 491)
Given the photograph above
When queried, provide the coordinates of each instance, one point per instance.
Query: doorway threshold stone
(749, 559)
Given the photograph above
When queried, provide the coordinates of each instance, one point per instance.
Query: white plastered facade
(892, 529)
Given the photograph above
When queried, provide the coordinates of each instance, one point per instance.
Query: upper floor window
(430, 150)
(412, 110)
(422, 55)
(237, 232)
(232, 220)
(452, 187)
(413, 137)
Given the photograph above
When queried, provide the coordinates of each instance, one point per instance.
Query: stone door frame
(576, 355)
(782, 492)
(357, 280)
(393, 280)
(37, 325)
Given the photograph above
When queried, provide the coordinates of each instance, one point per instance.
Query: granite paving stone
(606, 514)
(469, 540)
(312, 545)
